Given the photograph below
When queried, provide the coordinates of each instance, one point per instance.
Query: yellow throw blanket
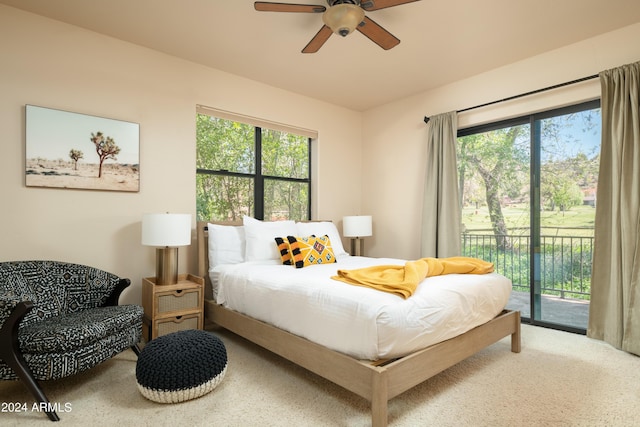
(403, 280)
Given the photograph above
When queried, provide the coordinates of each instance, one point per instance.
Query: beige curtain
(614, 314)
(441, 215)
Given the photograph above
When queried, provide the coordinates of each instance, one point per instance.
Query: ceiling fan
(341, 17)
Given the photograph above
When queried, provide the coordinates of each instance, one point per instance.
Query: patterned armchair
(58, 319)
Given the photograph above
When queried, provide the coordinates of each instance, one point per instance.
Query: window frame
(257, 177)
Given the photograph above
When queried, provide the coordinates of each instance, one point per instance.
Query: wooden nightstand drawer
(178, 300)
(173, 324)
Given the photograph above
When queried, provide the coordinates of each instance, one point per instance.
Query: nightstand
(172, 308)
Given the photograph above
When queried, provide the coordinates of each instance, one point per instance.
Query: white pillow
(260, 237)
(321, 228)
(226, 244)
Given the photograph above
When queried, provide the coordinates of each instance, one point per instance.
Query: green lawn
(517, 217)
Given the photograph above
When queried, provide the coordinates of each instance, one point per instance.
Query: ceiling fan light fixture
(343, 18)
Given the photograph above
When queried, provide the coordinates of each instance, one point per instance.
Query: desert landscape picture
(72, 150)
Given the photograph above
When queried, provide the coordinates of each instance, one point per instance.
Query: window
(528, 193)
(244, 169)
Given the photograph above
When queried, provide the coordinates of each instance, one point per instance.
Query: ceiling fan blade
(370, 5)
(318, 40)
(265, 6)
(377, 34)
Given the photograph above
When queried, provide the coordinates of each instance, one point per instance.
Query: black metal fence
(565, 261)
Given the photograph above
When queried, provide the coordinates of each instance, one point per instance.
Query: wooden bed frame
(377, 381)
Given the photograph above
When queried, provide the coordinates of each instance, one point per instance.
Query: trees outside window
(242, 169)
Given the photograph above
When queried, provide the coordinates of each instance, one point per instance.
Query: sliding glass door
(528, 194)
(566, 153)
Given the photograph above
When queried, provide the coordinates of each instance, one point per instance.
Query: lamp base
(166, 266)
(357, 246)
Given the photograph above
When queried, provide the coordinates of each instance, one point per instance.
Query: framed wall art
(73, 150)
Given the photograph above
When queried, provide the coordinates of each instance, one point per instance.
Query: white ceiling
(441, 40)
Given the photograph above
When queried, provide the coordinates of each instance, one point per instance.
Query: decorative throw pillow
(311, 250)
(320, 228)
(284, 249)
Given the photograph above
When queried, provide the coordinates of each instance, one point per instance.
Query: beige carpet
(559, 379)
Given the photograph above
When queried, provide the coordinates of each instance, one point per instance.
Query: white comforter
(361, 322)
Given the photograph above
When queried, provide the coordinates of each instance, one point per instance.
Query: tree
(500, 158)
(560, 181)
(224, 145)
(105, 147)
(285, 155)
(75, 156)
(567, 195)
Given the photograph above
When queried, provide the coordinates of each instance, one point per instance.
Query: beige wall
(367, 163)
(51, 64)
(394, 134)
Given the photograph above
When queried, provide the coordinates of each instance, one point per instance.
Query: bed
(378, 372)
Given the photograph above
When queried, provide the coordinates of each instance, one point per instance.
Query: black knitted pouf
(181, 366)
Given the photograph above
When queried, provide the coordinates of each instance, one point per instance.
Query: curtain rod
(533, 92)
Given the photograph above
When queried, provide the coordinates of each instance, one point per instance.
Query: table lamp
(357, 227)
(167, 232)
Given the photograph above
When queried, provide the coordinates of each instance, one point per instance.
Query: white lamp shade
(357, 226)
(166, 229)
